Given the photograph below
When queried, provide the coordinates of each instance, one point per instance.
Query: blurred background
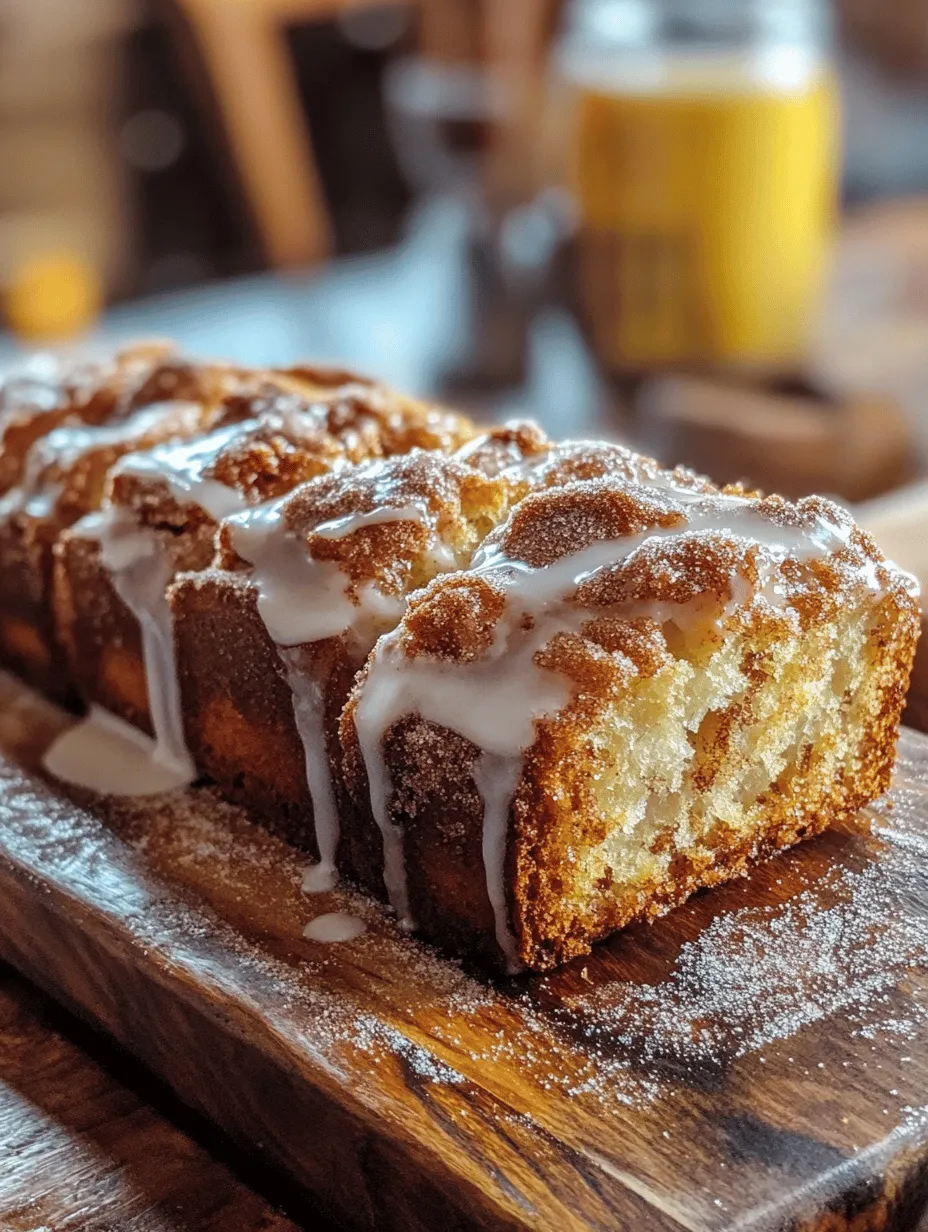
(697, 225)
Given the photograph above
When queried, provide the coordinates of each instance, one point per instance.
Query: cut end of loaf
(701, 769)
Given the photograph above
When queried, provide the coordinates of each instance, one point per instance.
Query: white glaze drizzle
(496, 702)
(66, 445)
(497, 778)
(308, 713)
(341, 528)
(140, 569)
(299, 599)
(303, 600)
(108, 756)
(316, 880)
(333, 927)
(181, 468)
(63, 448)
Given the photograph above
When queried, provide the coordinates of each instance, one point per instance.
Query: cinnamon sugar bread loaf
(302, 590)
(635, 691)
(162, 509)
(528, 691)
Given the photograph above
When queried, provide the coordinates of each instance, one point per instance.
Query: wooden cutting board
(756, 1060)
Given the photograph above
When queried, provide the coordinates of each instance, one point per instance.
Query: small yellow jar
(704, 149)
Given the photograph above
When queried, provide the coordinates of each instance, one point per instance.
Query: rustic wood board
(81, 1151)
(756, 1060)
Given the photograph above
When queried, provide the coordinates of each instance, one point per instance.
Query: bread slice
(112, 569)
(268, 641)
(636, 690)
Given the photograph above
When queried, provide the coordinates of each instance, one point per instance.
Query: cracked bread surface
(702, 699)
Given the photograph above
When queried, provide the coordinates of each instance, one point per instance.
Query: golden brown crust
(559, 522)
(570, 461)
(456, 504)
(281, 438)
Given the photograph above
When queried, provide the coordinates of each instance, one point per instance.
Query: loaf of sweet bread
(637, 690)
(269, 641)
(162, 508)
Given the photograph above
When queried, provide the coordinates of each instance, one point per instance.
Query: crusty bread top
(140, 398)
(662, 553)
(384, 521)
(521, 450)
(568, 461)
(49, 390)
(272, 438)
(513, 448)
(287, 442)
(66, 470)
(46, 382)
(61, 431)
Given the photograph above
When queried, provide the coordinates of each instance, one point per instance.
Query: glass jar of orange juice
(704, 149)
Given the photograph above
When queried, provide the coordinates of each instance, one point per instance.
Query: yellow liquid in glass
(706, 209)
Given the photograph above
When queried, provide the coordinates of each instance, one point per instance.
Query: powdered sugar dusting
(759, 976)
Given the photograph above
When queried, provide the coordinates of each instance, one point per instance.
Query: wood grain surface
(81, 1149)
(757, 1060)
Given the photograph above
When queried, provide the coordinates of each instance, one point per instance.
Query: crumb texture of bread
(650, 690)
